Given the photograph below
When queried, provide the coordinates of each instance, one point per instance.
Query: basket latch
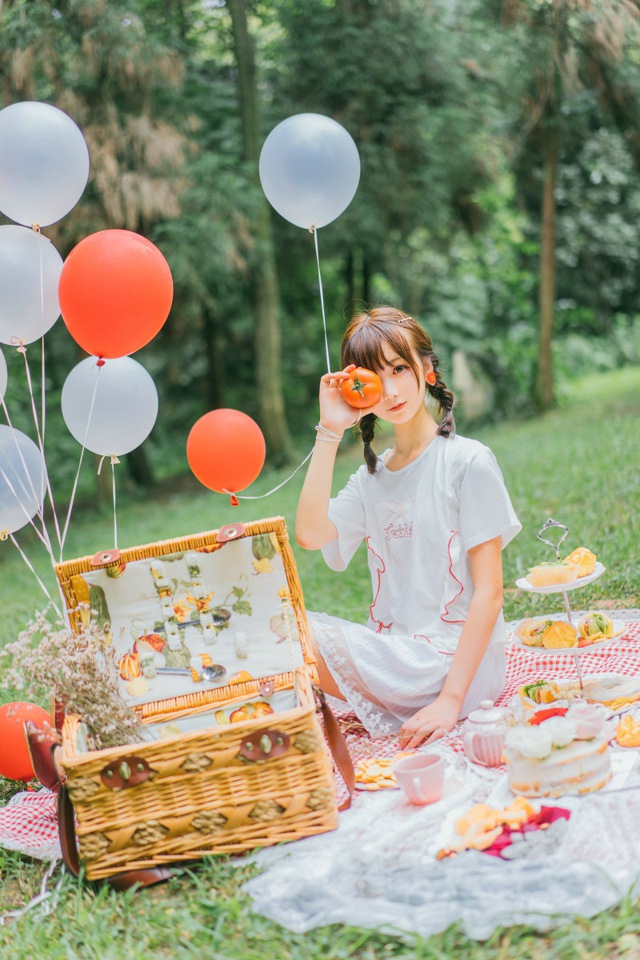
(264, 744)
(233, 531)
(125, 772)
(105, 556)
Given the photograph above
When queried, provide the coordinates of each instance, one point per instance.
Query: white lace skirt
(387, 678)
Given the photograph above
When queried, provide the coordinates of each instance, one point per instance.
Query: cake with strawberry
(566, 752)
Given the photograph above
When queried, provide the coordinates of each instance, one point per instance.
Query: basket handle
(338, 747)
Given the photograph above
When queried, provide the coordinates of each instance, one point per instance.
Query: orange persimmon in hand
(361, 388)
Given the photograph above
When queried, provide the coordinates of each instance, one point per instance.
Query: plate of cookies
(376, 773)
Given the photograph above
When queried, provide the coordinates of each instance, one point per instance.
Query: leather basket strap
(338, 747)
(67, 828)
(42, 747)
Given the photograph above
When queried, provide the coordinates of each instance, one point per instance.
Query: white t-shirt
(418, 523)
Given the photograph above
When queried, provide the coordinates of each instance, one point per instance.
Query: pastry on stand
(562, 575)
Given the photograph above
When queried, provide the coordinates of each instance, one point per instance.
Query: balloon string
(23, 350)
(40, 898)
(71, 502)
(43, 410)
(324, 317)
(30, 565)
(41, 536)
(77, 477)
(260, 496)
(114, 460)
(44, 533)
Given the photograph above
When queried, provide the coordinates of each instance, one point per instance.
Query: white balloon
(309, 169)
(30, 268)
(4, 376)
(44, 163)
(23, 479)
(109, 409)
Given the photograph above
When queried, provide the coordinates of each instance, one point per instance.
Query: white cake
(561, 755)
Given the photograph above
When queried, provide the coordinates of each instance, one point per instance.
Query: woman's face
(402, 392)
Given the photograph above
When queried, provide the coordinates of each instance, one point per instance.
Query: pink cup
(421, 777)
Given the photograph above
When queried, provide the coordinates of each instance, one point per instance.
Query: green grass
(579, 464)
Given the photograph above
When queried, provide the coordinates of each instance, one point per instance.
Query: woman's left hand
(430, 723)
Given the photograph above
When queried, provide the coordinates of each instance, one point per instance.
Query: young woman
(435, 515)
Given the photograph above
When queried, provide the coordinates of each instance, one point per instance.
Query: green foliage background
(444, 103)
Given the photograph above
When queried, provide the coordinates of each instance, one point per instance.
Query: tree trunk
(266, 291)
(350, 279)
(543, 390)
(366, 281)
(214, 352)
(139, 468)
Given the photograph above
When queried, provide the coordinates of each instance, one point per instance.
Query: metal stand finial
(553, 523)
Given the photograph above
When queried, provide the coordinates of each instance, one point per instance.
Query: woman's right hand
(335, 413)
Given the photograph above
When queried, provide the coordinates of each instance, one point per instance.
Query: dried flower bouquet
(78, 670)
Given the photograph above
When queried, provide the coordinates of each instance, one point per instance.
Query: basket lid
(211, 616)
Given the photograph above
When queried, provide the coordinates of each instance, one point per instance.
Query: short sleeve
(346, 511)
(486, 510)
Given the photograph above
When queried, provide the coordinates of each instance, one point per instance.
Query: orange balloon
(226, 450)
(115, 292)
(15, 759)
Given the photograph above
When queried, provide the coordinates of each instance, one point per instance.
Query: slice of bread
(551, 573)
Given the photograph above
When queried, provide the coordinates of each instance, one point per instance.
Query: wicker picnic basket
(231, 767)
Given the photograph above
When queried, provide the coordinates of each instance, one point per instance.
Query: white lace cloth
(378, 869)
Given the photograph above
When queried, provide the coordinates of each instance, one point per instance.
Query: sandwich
(547, 691)
(530, 631)
(593, 627)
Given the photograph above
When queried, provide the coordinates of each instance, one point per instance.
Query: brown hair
(363, 344)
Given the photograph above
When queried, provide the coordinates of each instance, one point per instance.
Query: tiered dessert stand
(564, 589)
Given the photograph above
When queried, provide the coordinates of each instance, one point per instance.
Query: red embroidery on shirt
(380, 570)
(403, 531)
(423, 636)
(454, 533)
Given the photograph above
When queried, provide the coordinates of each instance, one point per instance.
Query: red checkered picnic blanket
(29, 823)
(524, 665)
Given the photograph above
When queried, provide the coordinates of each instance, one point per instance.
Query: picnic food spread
(561, 755)
(491, 830)
(552, 634)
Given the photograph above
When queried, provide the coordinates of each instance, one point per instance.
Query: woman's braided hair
(363, 344)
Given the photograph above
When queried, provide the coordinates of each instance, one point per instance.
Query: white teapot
(483, 734)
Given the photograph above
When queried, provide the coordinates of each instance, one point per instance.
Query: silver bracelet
(328, 436)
